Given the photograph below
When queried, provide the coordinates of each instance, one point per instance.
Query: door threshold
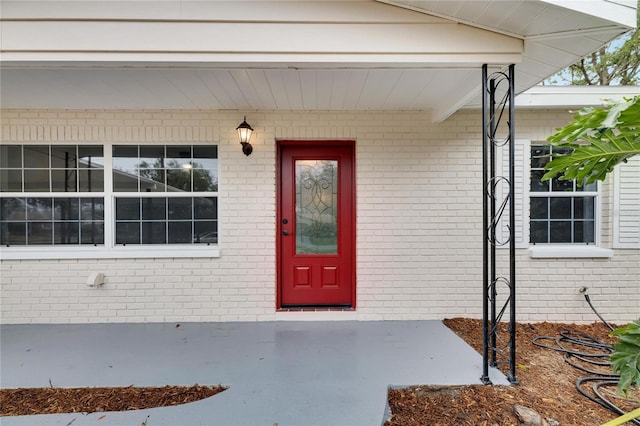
(316, 308)
(316, 314)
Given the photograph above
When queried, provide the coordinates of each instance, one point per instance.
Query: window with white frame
(561, 212)
(108, 195)
(51, 195)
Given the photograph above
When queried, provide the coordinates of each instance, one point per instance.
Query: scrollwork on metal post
(499, 279)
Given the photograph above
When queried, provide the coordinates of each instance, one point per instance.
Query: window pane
(205, 153)
(125, 180)
(154, 208)
(39, 209)
(63, 157)
(127, 208)
(560, 207)
(180, 208)
(584, 207)
(205, 168)
(36, 180)
(39, 233)
(179, 232)
(13, 214)
(154, 232)
(539, 208)
(592, 187)
(152, 180)
(91, 180)
(179, 180)
(204, 180)
(125, 168)
(90, 157)
(13, 209)
(92, 233)
(584, 231)
(151, 157)
(36, 156)
(66, 232)
(10, 180)
(205, 208)
(67, 209)
(11, 156)
(205, 232)
(13, 233)
(538, 159)
(178, 156)
(64, 180)
(92, 208)
(560, 232)
(125, 157)
(127, 232)
(539, 232)
(536, 181)
(558, 185)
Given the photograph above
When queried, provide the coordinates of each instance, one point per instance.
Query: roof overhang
(295, 55)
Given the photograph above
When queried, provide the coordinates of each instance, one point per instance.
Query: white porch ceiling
(305, 55)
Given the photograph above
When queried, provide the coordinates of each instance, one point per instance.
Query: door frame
(280, 144)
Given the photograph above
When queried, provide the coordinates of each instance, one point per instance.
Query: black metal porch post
(497, 350)
(485, 237)
(512, 224)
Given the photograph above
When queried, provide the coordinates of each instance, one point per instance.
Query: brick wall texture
(419, 225)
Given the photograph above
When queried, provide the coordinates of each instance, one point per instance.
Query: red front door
(316, 218)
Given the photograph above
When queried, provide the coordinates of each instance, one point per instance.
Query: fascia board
(356, 11)
(259, 39)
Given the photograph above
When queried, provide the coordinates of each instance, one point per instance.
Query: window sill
(569, 251)
(99, 252)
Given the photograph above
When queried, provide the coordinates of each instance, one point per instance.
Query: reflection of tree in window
(179, 176)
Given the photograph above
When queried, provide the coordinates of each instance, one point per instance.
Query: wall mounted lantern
(244, 133)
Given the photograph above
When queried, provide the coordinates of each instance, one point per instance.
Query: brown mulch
(546, 384)
(27, 401)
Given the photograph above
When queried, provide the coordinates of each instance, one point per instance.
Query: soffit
(293, 55)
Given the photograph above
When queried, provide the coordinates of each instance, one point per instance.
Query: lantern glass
(244, 131)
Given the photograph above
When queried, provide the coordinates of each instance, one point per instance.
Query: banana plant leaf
(599, 139)
(625, 359)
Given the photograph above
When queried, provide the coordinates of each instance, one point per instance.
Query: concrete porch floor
(289, 373)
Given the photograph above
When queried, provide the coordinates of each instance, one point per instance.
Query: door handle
(285, 232)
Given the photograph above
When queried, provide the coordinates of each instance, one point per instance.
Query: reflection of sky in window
(94, 162)
(165, 157)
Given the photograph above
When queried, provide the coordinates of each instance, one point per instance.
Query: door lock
(285, 232)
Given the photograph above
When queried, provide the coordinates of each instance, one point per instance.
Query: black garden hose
(591, 352)
(584, 291)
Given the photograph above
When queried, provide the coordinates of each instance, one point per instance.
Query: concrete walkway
(289, 373)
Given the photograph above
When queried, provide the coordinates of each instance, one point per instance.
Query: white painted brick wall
(419, 226)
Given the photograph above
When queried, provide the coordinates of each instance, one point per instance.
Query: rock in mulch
(530, 417)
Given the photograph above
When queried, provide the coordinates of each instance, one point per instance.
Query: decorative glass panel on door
(316, 206)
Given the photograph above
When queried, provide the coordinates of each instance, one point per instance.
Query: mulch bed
(547, 385)
(27, 401)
